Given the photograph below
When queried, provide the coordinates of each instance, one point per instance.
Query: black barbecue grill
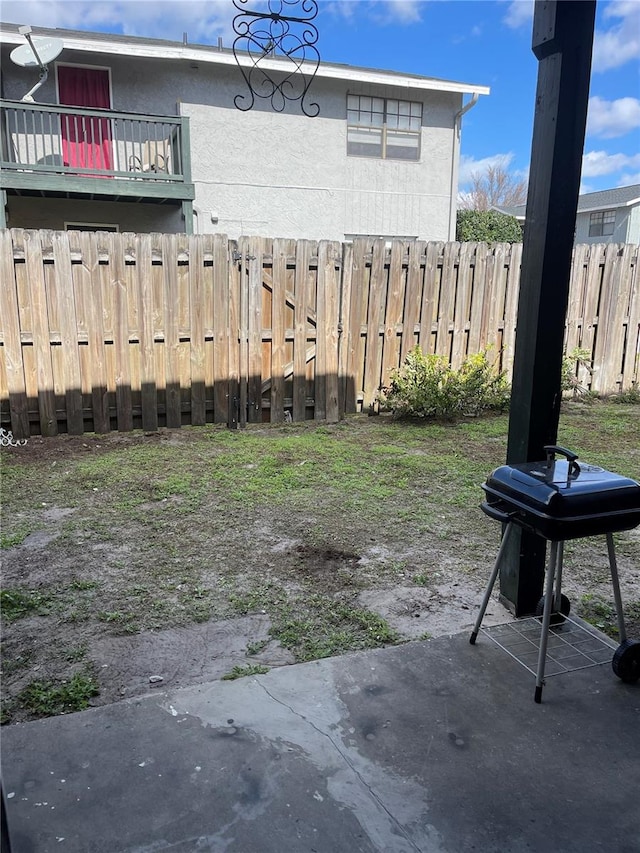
(560, 499)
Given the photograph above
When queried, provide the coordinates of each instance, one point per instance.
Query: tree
(494, 187)
(487, 226)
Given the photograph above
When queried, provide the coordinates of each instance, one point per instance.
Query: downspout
(457, 126)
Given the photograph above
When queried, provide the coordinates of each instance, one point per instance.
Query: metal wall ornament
(282, 29)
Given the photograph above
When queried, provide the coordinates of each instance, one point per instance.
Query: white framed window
(602, 223)
(91, 226)
(386, 128)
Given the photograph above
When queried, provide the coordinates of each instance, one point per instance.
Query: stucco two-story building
(137, 134)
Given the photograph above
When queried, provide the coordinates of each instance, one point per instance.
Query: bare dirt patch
(167, 559)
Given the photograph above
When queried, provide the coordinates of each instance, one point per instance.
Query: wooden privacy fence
(101, 331)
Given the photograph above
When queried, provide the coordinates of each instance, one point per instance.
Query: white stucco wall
(29, 212)
(288, 175)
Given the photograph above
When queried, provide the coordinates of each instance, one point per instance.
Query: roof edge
(161, 49)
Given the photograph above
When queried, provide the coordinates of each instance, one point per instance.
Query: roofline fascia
(213, 56)
(598, 207)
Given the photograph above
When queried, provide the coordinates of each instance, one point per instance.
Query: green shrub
(426, 386)
(631, 396)
(571, 364)
(487, 226)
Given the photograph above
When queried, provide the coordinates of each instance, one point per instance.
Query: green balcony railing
(59, 140)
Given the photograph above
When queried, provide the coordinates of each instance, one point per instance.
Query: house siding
(622, 231)
(277, 174)
(291, 174)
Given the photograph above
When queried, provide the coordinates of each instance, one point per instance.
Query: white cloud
(519, 13)
(382, 12)
(470, 166)
(203, 20)
(621, 42)
(612, 118)
(597, 163)
(627, 180)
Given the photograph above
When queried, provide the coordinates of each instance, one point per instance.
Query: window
(91, 226)
(601, 224)
(384, 128)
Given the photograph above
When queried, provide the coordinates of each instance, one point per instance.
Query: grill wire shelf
(571, 646)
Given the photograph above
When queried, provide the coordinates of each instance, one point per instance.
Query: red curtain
(86, 141)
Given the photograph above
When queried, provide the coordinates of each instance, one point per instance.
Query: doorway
(86, 140)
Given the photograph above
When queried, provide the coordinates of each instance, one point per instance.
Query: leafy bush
(426, 386)
(487, 226)
(571, 364)
(630, 396)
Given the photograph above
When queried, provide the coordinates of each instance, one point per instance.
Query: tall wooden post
(562, 43)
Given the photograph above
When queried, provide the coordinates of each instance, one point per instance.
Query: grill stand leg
(557, 605)
(615, 583)
(491, 584)
(555, 563)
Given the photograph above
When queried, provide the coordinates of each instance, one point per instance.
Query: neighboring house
(142, 135)
(607, 216)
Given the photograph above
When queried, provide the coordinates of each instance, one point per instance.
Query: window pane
(402, 146)
(609, 223)
(364, 142)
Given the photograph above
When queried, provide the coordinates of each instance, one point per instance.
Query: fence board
(592, 297)
(320, 407)
(153, 329)
(432, 282)
(344, 329)
(412, 299)
(220, 328)
(332, 319)
(171, 330)
(447, 301)
(124, 409)
(72, 382)
(377, 292)
(477, 292)
(12, 349)
(462, 307)
(357, 318)
(148, 379)
(576, 298)
(41, 333)
(300, 331)
(278, 304)
(631, 365)
(391, 341)
(511, 308)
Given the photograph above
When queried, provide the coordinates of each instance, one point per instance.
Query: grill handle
(572, 458)
(498, 514)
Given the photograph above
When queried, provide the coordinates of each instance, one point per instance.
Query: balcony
(73, 152)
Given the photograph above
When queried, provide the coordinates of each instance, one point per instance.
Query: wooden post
(562, 43)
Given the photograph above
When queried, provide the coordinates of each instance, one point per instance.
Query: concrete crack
(349, 764)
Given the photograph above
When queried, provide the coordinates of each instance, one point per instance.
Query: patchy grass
(296, 522)
(17, 603)
(242, 671)
(50, 698)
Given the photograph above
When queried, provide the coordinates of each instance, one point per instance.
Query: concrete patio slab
(432, 746)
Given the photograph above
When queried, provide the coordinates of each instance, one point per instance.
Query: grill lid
(564, 498)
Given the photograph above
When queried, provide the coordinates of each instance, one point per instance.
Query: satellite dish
(38, 52)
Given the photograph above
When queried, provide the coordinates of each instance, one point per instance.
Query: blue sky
(486, 42)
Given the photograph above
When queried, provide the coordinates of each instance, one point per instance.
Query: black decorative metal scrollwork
(283, 29)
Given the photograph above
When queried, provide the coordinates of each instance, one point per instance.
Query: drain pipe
(457, 126)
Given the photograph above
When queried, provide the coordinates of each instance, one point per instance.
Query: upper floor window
(385, 128)
(601, 224)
